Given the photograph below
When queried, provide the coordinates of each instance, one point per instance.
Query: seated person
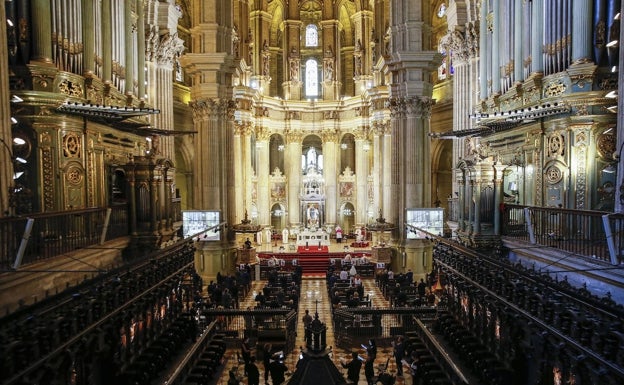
(354, 300)
(248, 244)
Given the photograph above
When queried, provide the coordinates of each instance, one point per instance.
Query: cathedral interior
(156, 152)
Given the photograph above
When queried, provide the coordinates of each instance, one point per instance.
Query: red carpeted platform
(312, 262)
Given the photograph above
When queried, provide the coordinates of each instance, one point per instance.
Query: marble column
(330, 174)
(247, 169)
(361, 179)
(208, 165)
(238, 160)
(293, 174)
(386, 170)
(263, 172)
(377, 203)
(416, 158)
(160, 92)
(583, 31)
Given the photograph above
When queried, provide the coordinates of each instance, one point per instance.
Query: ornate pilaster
(210, 118)
(580, 149)
(330, 174)
(362, 147)
(293, 173)
(263, 171)
(160, 58)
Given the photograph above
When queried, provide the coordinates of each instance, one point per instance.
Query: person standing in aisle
(399, 352)
(253, 374)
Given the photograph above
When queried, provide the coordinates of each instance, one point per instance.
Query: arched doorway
(346, 218)
(278, 215)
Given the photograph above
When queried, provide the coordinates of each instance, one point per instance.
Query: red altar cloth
(312, 249)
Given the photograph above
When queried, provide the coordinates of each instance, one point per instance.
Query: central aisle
(314, 297)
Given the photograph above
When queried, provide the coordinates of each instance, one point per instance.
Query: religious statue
(285, 236)
(294, 71)
(329, 69)
(267, 235)
(313, 216)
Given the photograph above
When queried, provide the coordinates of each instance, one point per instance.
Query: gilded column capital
(211, 108)
(381, 128)
(410, 106)
(329, 135)
(262, 133)
(163, 49)
(464, 45)
(293, 137)
(361, 133)
(243, 128)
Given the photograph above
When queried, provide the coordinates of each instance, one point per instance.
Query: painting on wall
(346, 189)
(278, 191)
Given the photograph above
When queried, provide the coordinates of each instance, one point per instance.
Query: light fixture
(18, 174)
(149, 139)
(19, 141)
(612, 95)
(20, 160)
(614, 69)
(280, 147)
(343, 146)
(612, 43)
(9, 22)
(16, 99)
(13, 120)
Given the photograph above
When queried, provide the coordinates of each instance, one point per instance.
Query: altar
(313, 238)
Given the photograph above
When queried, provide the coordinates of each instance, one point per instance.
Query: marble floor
(311, 289)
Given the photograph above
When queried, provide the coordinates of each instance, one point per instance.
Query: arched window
(311, 36)
(311, 77)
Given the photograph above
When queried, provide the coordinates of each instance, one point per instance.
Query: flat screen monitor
(195, 223)
(424, 221)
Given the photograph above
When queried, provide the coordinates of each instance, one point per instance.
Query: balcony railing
(25, 240)
(580, 232)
